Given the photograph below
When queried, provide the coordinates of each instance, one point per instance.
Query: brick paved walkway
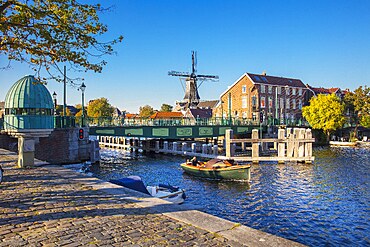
(42, 208)
(53, 206)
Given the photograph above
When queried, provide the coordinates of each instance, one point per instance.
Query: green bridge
(163, 128)
(169, 132)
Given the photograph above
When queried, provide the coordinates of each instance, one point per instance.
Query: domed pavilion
(28, 105)
(28, 115)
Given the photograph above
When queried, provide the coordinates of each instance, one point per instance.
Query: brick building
(264, 98)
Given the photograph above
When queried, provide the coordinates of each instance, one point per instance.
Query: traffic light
(81, 134)
(261, 117)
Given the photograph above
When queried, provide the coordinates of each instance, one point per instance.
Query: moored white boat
(166, 192)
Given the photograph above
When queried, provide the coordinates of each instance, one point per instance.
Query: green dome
(28, 93)
(28, 105)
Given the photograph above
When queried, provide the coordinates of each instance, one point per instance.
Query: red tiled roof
(131, 115)
(166, 115)
(321, 90)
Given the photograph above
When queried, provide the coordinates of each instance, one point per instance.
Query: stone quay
(49, 205)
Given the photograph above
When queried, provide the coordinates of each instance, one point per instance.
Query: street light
(83, 87)
(286, 93)
(222, 112)
(55, 102)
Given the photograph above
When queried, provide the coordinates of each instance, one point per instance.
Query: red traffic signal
(81, 134)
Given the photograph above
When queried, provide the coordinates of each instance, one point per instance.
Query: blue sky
(323, 43)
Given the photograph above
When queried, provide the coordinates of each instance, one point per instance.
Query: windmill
(191, 98)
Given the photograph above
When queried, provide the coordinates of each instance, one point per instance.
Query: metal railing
(72, 121)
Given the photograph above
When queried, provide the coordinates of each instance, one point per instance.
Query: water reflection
(326, 203)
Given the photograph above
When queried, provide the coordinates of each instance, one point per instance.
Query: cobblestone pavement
(39, 207)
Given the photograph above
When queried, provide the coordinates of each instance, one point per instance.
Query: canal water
(324, 204)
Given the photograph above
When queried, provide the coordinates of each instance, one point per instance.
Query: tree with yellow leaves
(325, 112)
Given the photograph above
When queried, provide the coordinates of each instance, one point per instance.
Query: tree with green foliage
(325, 112)
(166, 108)
(59, 110)
(359, 102)
(146, 111)
(99, 108)
(48, 33)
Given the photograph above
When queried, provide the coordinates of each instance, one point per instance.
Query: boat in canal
(218, 169)
(166, 192)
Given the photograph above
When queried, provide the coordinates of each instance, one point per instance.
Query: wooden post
(229, 133)
(290, 144)
(301, 148)
(215, 150)
(184, 147)
(295, 143)
(193, 147)
(308, 146)
(255, 146)
(204, 148)
(281, 145)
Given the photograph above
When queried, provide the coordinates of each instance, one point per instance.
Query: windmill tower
(191, 98)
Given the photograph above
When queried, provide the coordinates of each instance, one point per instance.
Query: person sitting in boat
(194, 161)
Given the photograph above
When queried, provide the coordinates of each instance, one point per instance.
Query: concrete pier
(54, 206)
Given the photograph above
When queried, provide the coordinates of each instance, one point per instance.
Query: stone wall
(61, 147)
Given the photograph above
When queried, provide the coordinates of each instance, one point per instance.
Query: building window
(254, 101)
(270, 89)
(270, 102)
(287, 91)
(254, 116)
(279, 90)
(293, 91)
(300, 104)
(244, 102)
(281, 103)
(300, 91)
(263, 89)
(294, 103)
(244, 89)
(263, 102)
(287, 104)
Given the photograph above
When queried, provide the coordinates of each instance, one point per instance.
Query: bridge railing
(73, 121)
(112, 121)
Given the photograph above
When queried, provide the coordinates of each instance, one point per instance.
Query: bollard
(174, 147)
(165, 146)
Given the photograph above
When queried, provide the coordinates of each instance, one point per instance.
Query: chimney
(264, 73)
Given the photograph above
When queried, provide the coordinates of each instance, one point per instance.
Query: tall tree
(166, 108)
(325, 112)
(99, 108)
(359, 101)
(45, 33)
(146, 111)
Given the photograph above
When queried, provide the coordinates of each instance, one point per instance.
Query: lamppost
(222, 112)
(286, 93)
(83, 87)
(55, 102)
